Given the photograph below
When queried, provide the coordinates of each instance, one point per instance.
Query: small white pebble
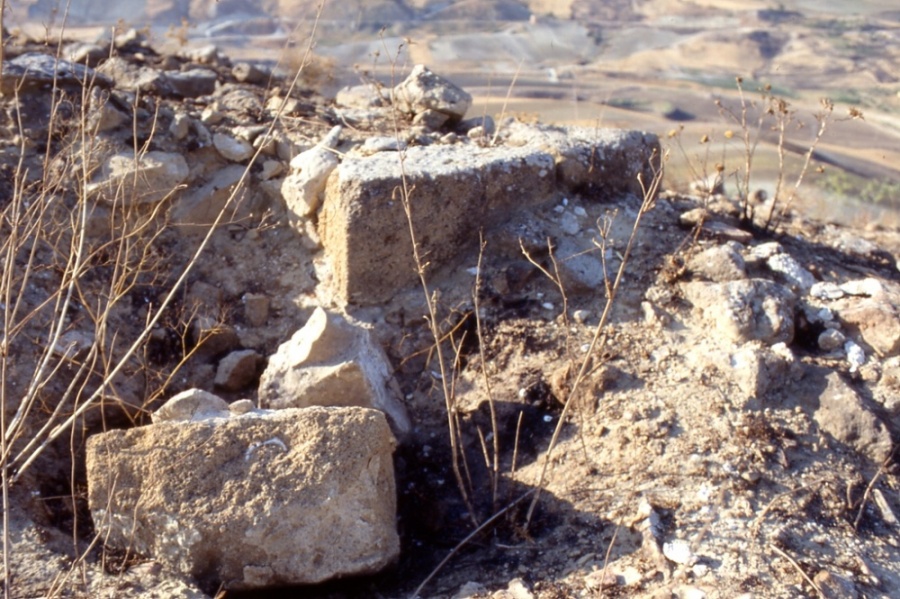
(547, 306)
(472, 271)
(679, 551)
(855, 355)
(548, 418)
(579, 211)
(565, 201)
(559, 209)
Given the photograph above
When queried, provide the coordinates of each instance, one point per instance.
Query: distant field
(654, 65)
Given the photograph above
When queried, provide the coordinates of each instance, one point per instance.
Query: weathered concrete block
(258, 500)
(455, 190)
(593, 159)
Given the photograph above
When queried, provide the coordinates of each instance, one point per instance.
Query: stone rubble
(210, 488)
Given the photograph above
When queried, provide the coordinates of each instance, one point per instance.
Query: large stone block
(258, 500)
(594, 159)
(454, 191)
(332, 362)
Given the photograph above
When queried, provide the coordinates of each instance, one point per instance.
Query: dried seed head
(855, 113)
(704, 139)
(729, 134)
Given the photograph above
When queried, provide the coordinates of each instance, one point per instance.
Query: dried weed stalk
(648, 200)
(447, 372)
(774, 113)
(59, 277)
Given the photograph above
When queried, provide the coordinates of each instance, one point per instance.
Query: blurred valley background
(667, 66)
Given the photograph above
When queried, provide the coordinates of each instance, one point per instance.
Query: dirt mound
(723, 427)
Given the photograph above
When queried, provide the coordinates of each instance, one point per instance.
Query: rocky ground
(733, 435)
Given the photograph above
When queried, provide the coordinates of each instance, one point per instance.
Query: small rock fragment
(192, 83)
(213, 337)
(581, 316)
(856, 356)
(231, 148)
(865, 287)
(826, 290)
(832, 586)
(469, 590)
(431, 119)
(679, 551)
(246, 72)
(334, 363)
(256, 308)
(303, 188)
(360, 96)
(241, 406)
(598, 580)
(718, 263)
(146, 179)
(238, 370)
(790, 270)
(190, 406)
(831, 339)
(887, 514)
(423, 90)
(843, 414)
(180, 127)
